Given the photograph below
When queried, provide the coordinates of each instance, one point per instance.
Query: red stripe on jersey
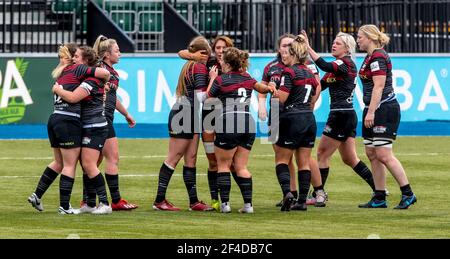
(307, 81)
(284, 89)
(248, 84)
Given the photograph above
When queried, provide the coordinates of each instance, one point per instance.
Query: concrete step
(27, 38)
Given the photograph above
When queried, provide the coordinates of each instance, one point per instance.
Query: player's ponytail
(244, 60)
(374, 34)
(299, 49)
(102, 45)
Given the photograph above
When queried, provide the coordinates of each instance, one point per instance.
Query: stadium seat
(124, 19)
(150, 21)
(210, 18)
(65, 6)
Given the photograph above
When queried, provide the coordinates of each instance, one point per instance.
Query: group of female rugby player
(213, 94)
(81, 128)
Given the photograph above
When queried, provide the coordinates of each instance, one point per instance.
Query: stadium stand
(414, 26)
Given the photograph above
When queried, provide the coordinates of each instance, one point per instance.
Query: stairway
(37, 25)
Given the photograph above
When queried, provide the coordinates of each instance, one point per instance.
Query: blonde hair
(102, 45)
(65, 51)
(374, 34)
(349, 42)
(198, 43)
(299, 49)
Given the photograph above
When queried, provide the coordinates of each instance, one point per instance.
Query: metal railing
(39, 25)
(414, 26)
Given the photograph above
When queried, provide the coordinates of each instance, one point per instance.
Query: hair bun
(244, 55)
(300, 39)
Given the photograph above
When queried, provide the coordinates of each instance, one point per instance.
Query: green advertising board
(25, 89)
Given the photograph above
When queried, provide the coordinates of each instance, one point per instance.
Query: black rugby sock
(190, 181)
(165, 173)
(284, 178)
(364, 172)
(47, 178)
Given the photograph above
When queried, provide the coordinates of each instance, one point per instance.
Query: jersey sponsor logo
(331, 79)
(67, 144)
(341, 136)
(86, 141)
(275, 78)
(222, 143)
(313, 68)
(363, 76)
(375, 66)
(379, 129)
(338, 62)
(288, 142)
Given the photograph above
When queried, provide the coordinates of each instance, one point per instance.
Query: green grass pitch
(426, 160)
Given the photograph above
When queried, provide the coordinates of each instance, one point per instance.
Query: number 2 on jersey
(243, 93)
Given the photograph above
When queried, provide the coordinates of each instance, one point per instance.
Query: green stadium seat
(65, 6)
(124, 19)
(182, 9)
(210, 20)
(150, 22)
(209, 17)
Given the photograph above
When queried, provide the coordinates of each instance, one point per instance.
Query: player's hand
(272, 87)
(303, 32)
(214, 73)
(200, 56)
(369, 120)
(130, 120)
(56, 87)
(262, 111)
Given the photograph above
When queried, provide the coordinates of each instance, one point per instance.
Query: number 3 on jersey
(243, 93)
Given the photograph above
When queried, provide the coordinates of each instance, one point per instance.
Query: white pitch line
(163, 156)
(121, 176)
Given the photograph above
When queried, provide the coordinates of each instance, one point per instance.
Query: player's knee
(190, 161)
(384, 157)
(212, 165)
(57, 166)
(371, 155)
(321, 153)
(350, 161)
